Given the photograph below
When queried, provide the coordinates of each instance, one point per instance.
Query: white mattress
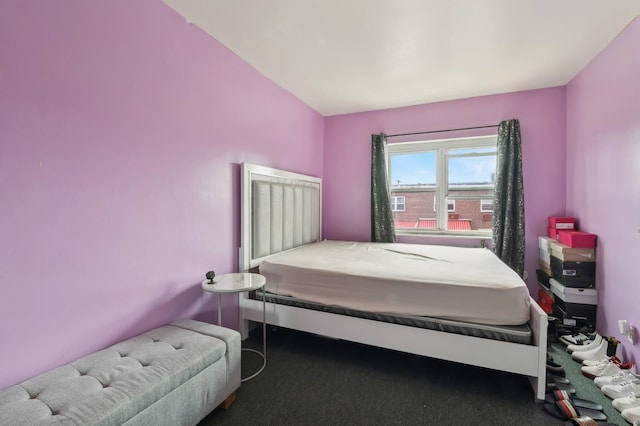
(464, 284)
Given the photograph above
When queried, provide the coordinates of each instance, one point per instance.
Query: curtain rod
(442, 131)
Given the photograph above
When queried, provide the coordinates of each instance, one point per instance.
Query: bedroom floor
(312, 380)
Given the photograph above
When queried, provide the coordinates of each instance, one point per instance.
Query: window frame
(481, 205)
(394, 203)
(441, 147)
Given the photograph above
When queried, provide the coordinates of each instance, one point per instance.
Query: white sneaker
(585, 347)
(603, 369)
(621, 377)
(575, 339)
(632, 415)
(604, 360)
(622, 404)
(595, 353)
(622, 389)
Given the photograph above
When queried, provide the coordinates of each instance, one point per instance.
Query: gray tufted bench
(172, 375)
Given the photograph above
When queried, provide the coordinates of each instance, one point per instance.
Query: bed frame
(282, 210)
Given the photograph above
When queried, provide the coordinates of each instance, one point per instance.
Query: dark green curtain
(508, 202)
(382, 229)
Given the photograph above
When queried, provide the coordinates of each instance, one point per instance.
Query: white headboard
(280, 210)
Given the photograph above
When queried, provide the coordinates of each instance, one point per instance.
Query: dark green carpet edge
(585, 388)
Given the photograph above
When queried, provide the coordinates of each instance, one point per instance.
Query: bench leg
(227, 402)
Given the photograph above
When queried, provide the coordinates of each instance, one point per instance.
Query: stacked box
(544, 245)
(543, 279)
(573, 267)
(566, 253)
(545, 300)
(568, 269)
(574, 274)
(561, 223)
(577, 239)
(575, 307)
(558, 225)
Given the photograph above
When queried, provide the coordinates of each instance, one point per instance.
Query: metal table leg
(264, 342)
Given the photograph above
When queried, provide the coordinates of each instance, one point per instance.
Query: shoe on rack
(594, 353)
(604, 359)
(559, 395)
(578, 338)
(622, 404)
(632, 415)
(567, 387)
(587, 346)
(602, 369)
(565, 409)
(622, 389)
(555, 368)
(621, 377)
(554, 378)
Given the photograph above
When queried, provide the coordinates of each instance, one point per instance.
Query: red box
(558, 222)
(577, 239)
(555, 233)
(545, 300)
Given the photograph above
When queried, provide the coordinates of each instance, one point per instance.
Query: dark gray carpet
(312, 380)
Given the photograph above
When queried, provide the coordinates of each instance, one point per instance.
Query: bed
(443, 301)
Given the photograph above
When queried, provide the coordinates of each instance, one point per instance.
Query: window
(397, 204)
(451, 205)
(486, 206)
(456, 173)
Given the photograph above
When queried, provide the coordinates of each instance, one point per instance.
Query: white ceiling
(342, 56)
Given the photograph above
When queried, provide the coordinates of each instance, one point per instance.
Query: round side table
(239, 283)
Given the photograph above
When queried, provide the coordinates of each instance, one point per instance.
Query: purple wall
(121, 130)
(347, 154)
(603, 175)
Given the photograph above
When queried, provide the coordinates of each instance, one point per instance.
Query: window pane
(413, 177)
(471, 170)
(413, 169)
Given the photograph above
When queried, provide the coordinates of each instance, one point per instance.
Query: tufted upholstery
(284, 216)
(113, 385)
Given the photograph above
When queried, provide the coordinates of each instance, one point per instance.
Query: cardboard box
(558, 222)
(575, 315)
(543, 279)
(566, 253)
(544, 243)
(586, 296)
(574, 274)
(545, 256)
(545, 300)
(577, 239)
(554, 233)
(546, 267)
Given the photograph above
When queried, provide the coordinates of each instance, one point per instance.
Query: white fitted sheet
(464, 284)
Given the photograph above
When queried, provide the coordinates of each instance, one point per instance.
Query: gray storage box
(587, 296)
